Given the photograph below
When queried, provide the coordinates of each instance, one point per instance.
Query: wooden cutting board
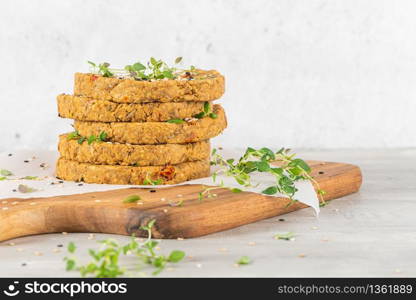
(105, 212)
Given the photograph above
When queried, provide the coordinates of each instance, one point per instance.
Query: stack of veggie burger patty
(148, 125)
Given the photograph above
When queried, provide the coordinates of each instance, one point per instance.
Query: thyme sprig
(289, 170)
(207, 112)
(102, 137)
(154, 69)
(105, 263)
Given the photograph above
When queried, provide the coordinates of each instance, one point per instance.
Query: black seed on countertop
(60, 181)
(24, 264)
(282, 220)
(10, 154)
(152, 191)
(52, 183)
(25, 161)
(14, 190)
(59, 245)
(80, 184)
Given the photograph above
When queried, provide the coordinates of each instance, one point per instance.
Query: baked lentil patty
(88, 109)
(206, 86)
(157, 132)
(106, 153)
(169, 174)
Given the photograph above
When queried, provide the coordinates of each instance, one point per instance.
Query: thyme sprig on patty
(154, 69)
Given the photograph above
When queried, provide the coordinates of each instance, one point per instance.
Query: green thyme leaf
(25, 189)
(176, 121)
(81, 140)
(207, 107)
(91, 139)
(5, 172)
(176, 256)
(284, 236)
(3, 178)
(244, 260)
(103, 136)
(178, 60)
(131, 199)
(213, 115)
(71, 247)
(30, 177)
(73, 135)
(138, 67)
(271, 190)
(199, 115)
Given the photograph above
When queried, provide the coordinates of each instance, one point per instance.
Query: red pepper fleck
(167, 172)
(94, 77)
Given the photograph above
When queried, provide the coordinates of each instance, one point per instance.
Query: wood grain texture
(105, 212)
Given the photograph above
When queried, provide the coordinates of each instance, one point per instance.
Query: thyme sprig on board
(154, 69)
(105, 263)
(287, 171)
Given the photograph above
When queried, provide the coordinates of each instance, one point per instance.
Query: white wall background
(311, 74)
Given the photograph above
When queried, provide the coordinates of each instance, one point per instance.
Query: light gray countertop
(371, 233)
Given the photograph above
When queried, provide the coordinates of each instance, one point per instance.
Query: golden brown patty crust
(207, 86)
(106, 153)
(88, 109)
(157, 132)
(170, 174)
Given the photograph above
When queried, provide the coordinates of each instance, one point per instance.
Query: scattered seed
(11, 244)
(302, 255)
(282, 220)
(59, 245)
(10, 154)
(152, 191)
(25, 161)
(80, 184)
(37, 253)
(252, 243)
(24, 264)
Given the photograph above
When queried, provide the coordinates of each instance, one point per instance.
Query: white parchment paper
(42, 164)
